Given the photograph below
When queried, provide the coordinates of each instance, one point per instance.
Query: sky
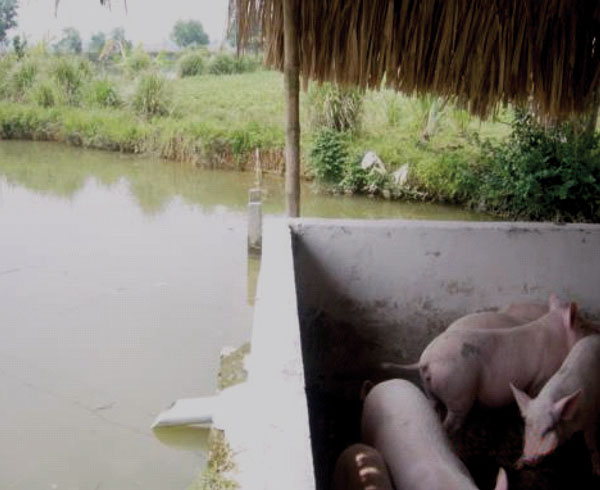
(147, 21)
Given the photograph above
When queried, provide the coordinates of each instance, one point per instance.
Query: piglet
(361, 467)
(400, 423)
(463, 366)
(568, 403)
(512, 315)
(526, 312)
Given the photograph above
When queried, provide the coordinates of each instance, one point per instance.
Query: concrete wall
(274, 450)
(375, 291)
(411, 278)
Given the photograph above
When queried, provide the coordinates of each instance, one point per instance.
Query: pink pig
(512, 315)
(465, 365)
(400, 423)
(569, 402)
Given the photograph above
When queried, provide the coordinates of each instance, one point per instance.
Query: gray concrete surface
(271, 437)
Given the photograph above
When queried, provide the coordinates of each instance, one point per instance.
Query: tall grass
(71, 74)
(153, 95)
(335, 107)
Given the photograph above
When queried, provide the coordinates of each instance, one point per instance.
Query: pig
(400, 423)
(512, 315)
(568, 403)
(527, 312)
(485, 320)
(462, 366)
(361, 467)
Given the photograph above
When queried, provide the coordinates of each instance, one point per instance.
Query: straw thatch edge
(544, 54)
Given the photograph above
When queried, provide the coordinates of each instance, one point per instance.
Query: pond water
(121, 279)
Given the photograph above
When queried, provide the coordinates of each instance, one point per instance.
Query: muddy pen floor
(337, 361)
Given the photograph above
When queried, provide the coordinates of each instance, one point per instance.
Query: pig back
(399, 421)
(580, 370)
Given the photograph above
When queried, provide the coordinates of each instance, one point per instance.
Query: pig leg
(590, 441)
(361, 467)
(457, 391)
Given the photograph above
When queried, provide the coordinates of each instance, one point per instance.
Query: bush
(71, 75)
(22, 77)
(138, 60)
(102, 93)
(222, 64)
(355, 178)
(328, 155)
(246, 64)
(7, 63)
(335, 107)
(542, 174)
(152, 96)
(452, 177)
(45, 94)
(191, 64)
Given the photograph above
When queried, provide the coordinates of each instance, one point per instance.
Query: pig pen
(336, 298)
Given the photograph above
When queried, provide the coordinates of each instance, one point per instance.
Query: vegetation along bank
(215, 109)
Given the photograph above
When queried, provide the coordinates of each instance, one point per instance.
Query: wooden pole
(292, 95)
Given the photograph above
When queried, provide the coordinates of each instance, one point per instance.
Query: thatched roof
(542, 52)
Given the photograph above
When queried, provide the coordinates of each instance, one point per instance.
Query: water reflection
(63, 172)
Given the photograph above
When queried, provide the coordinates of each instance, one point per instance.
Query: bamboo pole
(292, 96)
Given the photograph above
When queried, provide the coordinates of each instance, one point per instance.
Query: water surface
(121, 279)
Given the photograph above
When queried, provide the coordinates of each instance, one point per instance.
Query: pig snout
(537, 449)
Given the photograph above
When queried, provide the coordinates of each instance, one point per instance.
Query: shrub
(152, 96)
(102, 93)
(354, 177)
(335, 107)
(328, 155)
(70, 75)
(245, 64)
(451, 177)
(541, 174)
(44, 93)
(22, 77)
(138, 60)
(191, 64)
(7, 62)
(222, 64)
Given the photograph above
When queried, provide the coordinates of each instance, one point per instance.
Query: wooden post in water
(292, 96)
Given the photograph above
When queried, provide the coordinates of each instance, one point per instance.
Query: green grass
(219, 120)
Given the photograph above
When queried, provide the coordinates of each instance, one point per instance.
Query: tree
(8, 14)
(97, 43)
(70, 42)
(189, 33)
(118, 35)
(19, 45)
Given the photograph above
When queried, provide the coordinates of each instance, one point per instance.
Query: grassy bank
(219, 117)
(223, 115)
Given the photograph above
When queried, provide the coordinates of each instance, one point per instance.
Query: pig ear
(522, 399)
(554, 302)
(502, 480)
(565, 407)
(570, 315)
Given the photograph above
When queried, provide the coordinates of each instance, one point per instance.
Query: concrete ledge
(279, 452)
